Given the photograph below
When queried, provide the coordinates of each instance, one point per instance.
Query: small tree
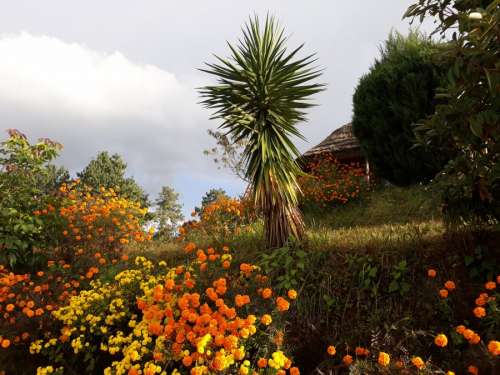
(168, 212)
(108, 171)
(227, 154)
(26, 176)
(398, 90)
(260, 97)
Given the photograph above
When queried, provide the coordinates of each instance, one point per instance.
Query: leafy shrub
(398, 91)
(25, 180)
(466, 120)
(206, 316)
(330, 182)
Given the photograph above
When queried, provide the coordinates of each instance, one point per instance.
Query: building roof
(341, 140)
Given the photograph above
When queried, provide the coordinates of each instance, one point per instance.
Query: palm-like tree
(261, 93)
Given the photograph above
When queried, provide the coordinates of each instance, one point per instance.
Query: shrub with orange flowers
(87, 222)
(198, 317)
(217, 220)
(331, 182)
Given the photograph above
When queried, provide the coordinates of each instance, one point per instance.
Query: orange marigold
(441, 340)
(431, 273)
(331, 350)
(479, 312)
(450, 285)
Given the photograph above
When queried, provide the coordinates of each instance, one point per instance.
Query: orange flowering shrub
(219, 219)
(330, 182)
(199, 318)
(89, 222)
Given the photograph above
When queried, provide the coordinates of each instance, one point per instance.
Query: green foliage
(168, 212)
(26, 182)
(466, 120)
(261, 95)
(398, 91)
(108, 171)
(287, 266)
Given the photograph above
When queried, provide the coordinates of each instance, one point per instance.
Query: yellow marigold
(450, 373)
(331, 350)
(441, 340)
(292, 294)
(418, 362)
(384, 359)
(494, 347)
(479, 312)
(266, 319)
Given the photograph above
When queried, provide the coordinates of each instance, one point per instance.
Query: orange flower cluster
(209, 322)
(331, 182)
(91, 221)
(219, 219)
(27, 301)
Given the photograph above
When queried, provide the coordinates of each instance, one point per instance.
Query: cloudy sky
(121, 76)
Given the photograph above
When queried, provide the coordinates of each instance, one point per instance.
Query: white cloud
(92, 101)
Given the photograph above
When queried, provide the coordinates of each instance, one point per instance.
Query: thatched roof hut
(341, 143)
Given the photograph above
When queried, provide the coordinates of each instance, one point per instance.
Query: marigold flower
(384, 359)
(450, 373)
(479, 312)
(347, 360)
(361, 351)
(5, 343)
(490, 285)
(460, 329)
(494, 347)
(262, 362)
(282, 304)
(473, 370)
(431, 273)
(10, 307)
(443, 293)
(266, 319)
(450, 285)
(441, 340)
(267, 293)
(331, 350)
(418, 362)
(292, 294)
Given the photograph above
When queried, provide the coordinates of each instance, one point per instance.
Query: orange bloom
(384, 359)
(294, 371)
(460, 329)
(494, 347)
(441, 340)
(282, 304)
(479, 312)
(450, 285)
(267, 293)
(443, 293)
(262, 362)
(347, 360)
(431, 273)
(292, 294)
(473, 370)
(266, 319)
(5, 343)
(490, 285)
(418, 362)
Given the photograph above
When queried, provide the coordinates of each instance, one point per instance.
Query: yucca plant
(261, 93)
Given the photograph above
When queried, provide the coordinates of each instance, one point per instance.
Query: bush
(330, 182)
(26, 176)
(398, 91)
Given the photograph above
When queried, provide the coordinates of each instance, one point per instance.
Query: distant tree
(228, 154)
(210, 197)
(109, 171)
(261, 94)
(398, 91)
(168, 212)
